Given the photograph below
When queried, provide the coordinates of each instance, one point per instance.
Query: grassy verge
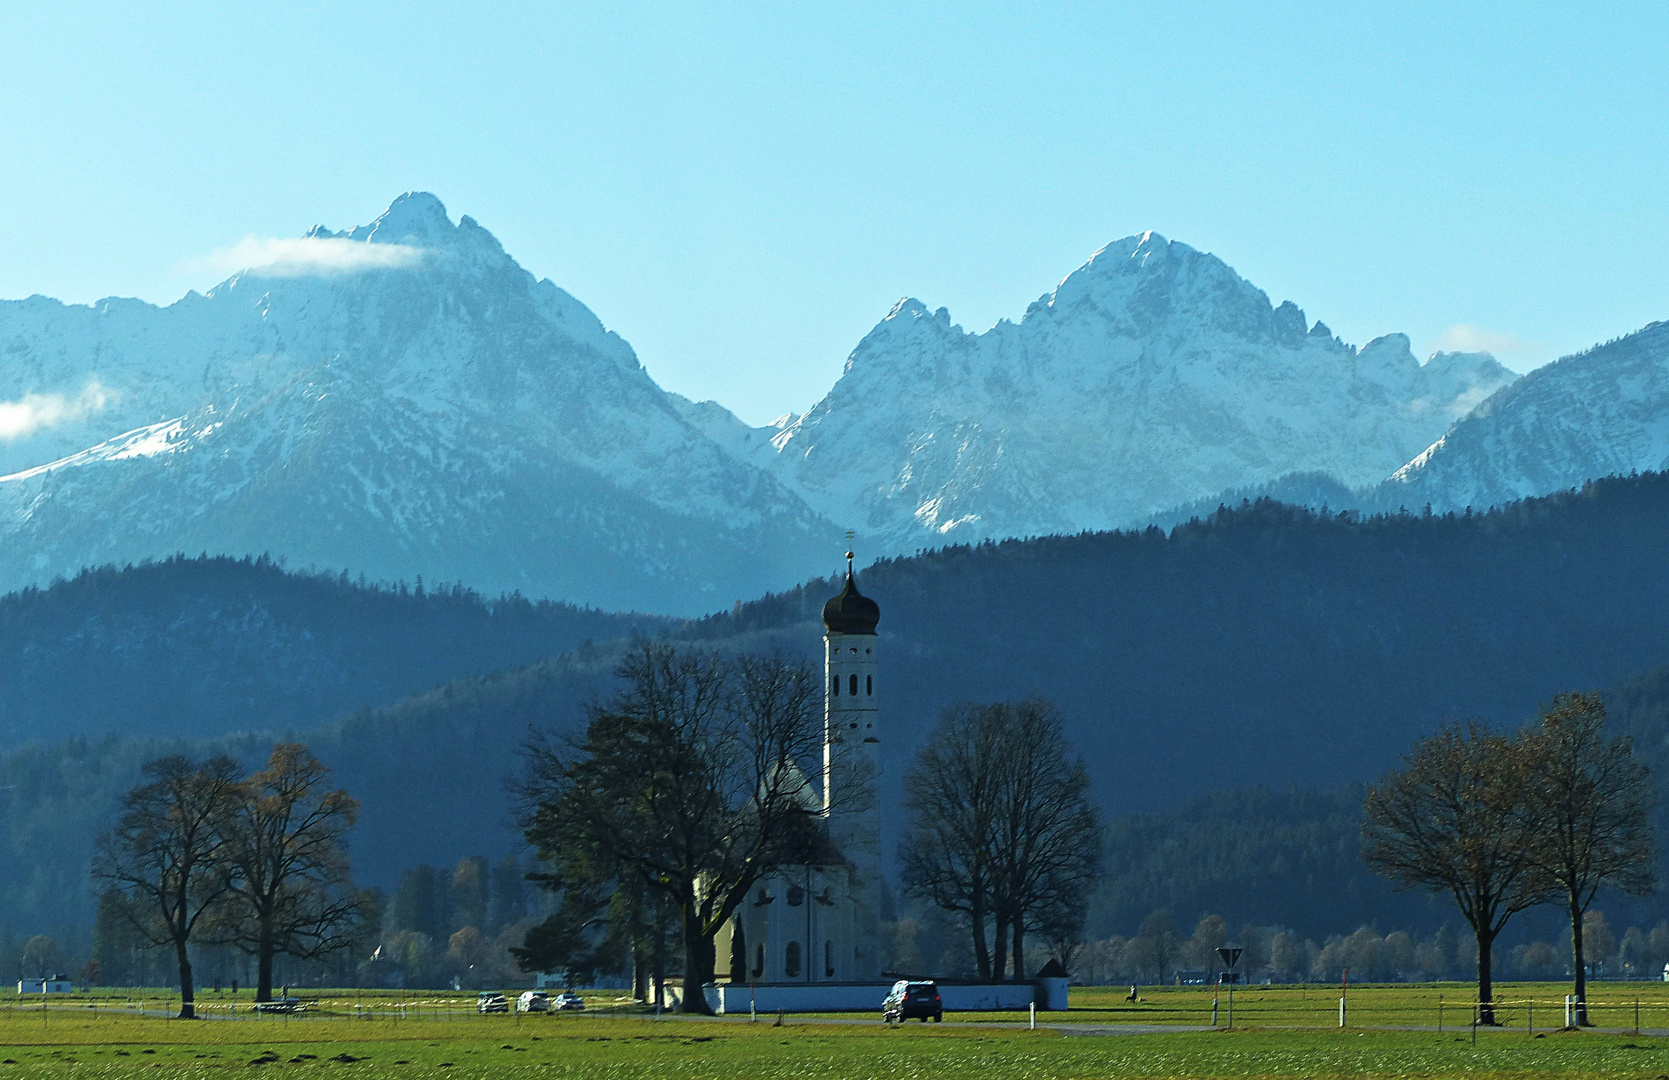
(89, 1043)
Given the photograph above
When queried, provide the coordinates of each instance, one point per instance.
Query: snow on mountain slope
(1153, 375)
(401, 399)
(1597, 413)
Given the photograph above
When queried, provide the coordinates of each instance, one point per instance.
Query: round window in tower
(796, 896)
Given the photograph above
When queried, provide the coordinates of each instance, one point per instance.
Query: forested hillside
(205, 646)
(1265, 646)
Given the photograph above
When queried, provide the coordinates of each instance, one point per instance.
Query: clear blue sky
(743, 190)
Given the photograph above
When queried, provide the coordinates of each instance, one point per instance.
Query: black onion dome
(851, 612)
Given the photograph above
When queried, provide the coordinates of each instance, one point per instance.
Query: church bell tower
(852, 758)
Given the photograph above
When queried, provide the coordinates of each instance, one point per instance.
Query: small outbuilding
(1051, 983)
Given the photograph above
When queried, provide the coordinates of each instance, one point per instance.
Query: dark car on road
(913, 999)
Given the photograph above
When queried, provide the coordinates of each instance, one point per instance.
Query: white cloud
(1513, 351)
(36, 412)
(1464, 337)
(308, 256)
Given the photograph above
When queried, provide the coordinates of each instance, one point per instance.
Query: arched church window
(854, 686)
(837, 686)
(828, 958)
(759, 960)
(791, 959)
(869, 684)
(796, 896)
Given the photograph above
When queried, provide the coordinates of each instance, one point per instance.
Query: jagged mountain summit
(1598, 413)
(1151, 376)
(402, 400)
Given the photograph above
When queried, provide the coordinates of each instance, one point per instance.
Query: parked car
(569, 1000)
(913, 999)
(488, 1002)
(533, 1001)
(281, 1005)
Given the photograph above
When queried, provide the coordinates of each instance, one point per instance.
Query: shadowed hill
(1264, 646)
(205, 646)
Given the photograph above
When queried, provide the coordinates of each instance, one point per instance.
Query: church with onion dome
(818, 921)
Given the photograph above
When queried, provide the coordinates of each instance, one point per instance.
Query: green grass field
(92, 1036)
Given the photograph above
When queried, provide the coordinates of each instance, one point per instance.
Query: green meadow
(1279, 1032)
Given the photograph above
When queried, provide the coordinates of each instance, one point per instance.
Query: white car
(569, 1000)
(533, 1001)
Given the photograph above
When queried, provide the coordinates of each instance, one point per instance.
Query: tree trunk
(999, 957)
(1019, 950)
(982, 950)
(640, 974)
(1578, 960)
(263, 971)
(188, 996)
(699, 957)
(660, 959)
(1486, 983)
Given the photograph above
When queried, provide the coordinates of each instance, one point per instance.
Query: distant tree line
(241, 644)
(1159, 949)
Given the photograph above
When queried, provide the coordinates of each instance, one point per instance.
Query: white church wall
(734, 998)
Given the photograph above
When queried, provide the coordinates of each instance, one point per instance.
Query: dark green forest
(1261, 647)
(204, 646)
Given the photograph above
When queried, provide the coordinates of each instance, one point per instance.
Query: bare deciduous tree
(1592, 803)
(1457, 818)
(1004, 828)
(951, 792)
(1155, 945)
(284, 865)
(1049, 831)
(163, 854)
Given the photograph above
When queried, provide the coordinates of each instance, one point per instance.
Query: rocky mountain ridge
(1152, 375)
(402, 399)
(436, 412)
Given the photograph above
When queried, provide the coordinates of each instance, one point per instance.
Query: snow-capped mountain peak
(400, 398)
(1601, 412)
(1151, 375)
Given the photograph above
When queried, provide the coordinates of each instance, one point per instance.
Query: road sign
(1230, 954)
